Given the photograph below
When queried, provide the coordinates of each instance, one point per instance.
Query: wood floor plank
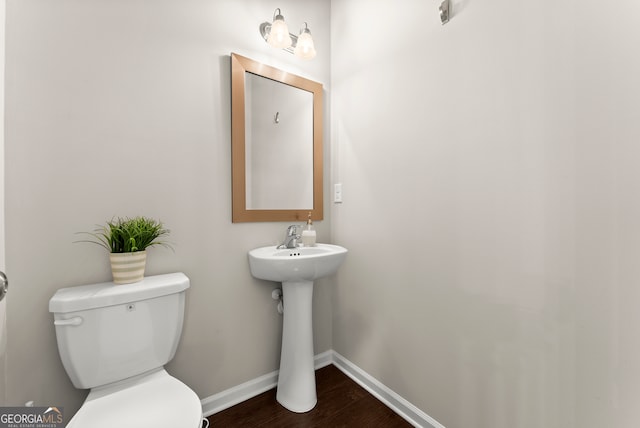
(341, 403)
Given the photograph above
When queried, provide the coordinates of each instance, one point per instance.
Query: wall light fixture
(277, 34)
(445, 11)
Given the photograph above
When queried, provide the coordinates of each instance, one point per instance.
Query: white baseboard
(232, 396)
(395, 402)
(323, 360)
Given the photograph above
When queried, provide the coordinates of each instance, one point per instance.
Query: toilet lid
(157, 400)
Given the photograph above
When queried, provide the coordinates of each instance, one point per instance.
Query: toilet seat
(152, 400)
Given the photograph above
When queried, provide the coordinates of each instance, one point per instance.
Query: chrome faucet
(291, 238)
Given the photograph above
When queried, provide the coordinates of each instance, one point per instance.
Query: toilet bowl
(115, 341)
(151, 400)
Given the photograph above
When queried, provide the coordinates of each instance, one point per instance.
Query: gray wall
(491, 207)
(122, 108)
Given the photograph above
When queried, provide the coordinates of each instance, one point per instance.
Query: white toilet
(115, 340)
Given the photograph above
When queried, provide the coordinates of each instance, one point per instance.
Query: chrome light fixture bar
(277, 35)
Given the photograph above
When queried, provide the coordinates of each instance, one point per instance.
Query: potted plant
(127, 239)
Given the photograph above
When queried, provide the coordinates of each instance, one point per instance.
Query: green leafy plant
(128, 235)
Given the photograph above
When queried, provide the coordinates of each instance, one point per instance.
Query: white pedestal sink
(296, 268)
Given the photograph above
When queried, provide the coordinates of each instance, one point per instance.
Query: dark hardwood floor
(341, 403)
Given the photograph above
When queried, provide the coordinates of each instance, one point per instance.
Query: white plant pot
(128, 267)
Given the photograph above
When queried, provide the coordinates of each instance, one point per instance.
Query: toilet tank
(108, 332)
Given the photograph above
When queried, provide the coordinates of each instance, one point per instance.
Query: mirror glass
(278, 138)
(276, 142)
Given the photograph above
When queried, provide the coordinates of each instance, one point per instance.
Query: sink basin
(296, 264)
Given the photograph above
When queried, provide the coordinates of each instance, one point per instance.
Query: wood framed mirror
(276, 144)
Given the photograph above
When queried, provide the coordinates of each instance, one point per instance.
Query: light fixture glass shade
(305, 48)
(279, 35)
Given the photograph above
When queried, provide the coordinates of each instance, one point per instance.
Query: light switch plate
(337, 193)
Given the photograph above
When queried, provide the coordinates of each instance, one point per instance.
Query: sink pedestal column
(297, 378)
